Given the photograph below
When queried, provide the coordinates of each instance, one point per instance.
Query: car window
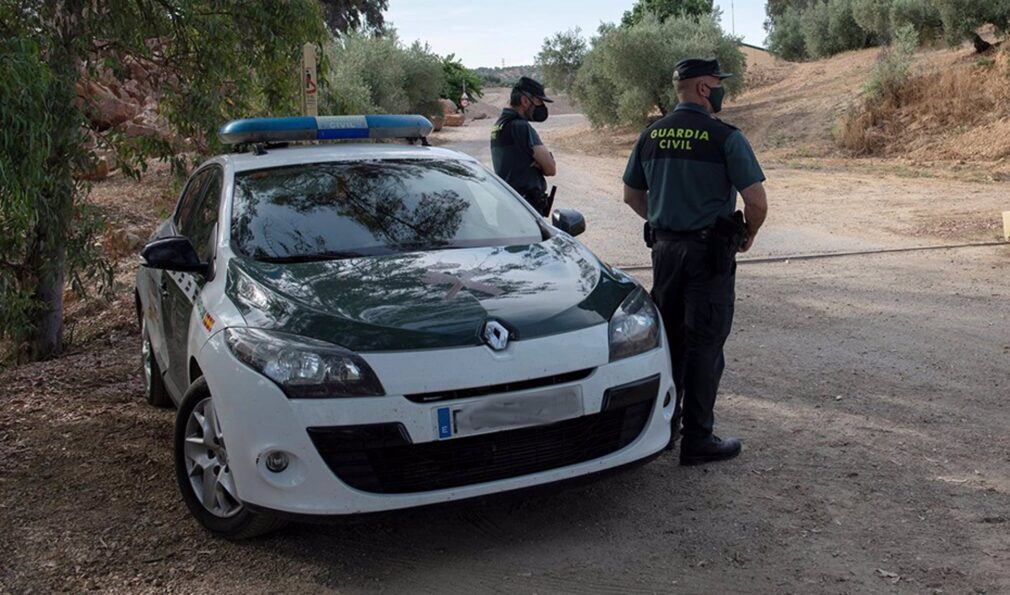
(375, 207)
(190, 197)
(200, 226)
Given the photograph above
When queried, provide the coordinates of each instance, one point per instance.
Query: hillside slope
(796, 107)
(955, 109)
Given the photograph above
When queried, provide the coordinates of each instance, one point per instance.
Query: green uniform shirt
(692, 164)
(512, 142)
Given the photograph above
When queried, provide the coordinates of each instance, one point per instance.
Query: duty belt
(694, 234)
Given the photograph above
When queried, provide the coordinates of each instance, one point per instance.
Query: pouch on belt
(728, 234)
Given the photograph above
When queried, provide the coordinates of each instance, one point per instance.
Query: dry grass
(961, 111)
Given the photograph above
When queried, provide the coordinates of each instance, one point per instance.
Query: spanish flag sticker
(208, 321)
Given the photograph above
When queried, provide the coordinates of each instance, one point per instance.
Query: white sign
(310, 87)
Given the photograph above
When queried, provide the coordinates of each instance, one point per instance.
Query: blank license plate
(493, 414)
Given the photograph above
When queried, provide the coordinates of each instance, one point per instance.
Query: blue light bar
(311, 128)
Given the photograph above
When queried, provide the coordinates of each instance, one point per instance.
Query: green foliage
(593, 89)
(213, 60)
(962, 17)
(375, 74)
(893, 67)
(342, 16)
(628, 72)
(776, 8)
(922, 15)
(460, 79)
(873, 16)
(423, 79)
(829, 28)
(786, 38)
(507, 76)
(38, 199)
(561, 57)
(665, 9)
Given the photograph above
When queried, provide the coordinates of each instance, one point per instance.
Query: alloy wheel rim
(207, 462)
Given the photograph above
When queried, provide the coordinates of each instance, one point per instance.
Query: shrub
(375, 74)
(892, 69)
(862, 129)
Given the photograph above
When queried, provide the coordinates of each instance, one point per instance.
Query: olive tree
(561, 57)
(665, 9)
(628, 73)
(213, 60)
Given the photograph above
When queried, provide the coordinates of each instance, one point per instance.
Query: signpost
(310, 89)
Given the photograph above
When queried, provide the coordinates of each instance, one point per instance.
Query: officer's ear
(704, 89)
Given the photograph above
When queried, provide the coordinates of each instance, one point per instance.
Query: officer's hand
(745, 246)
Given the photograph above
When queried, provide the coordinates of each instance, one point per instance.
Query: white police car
(348, 328)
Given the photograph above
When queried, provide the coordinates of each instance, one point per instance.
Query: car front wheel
(154, 384)
(204, 475)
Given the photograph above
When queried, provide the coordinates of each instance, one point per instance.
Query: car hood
(435, 299)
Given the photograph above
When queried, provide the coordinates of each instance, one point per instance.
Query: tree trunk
(56, 200)
(47, 336)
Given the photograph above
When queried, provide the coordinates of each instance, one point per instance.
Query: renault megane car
(357, 327)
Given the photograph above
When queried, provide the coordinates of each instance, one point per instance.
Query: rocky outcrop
(127, 104)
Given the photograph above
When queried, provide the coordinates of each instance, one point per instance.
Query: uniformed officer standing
(519, 156)
(683, 176)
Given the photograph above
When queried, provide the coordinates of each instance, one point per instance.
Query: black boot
(707, 450)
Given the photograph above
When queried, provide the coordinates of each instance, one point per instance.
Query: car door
(181, 290)
(157, 284)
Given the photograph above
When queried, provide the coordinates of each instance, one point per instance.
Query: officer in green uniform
(519, 156)
(683, 177)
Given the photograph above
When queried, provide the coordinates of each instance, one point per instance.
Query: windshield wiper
(296, 258)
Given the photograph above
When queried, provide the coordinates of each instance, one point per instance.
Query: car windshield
(363, 208)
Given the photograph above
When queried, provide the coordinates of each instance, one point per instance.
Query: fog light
(276, 461)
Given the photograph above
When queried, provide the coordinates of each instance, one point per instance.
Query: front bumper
(351, 456)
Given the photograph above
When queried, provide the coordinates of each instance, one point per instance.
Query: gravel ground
(870, 391)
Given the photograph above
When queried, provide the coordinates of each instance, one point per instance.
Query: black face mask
(539, 113)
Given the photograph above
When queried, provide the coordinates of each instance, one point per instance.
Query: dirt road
(871, 393)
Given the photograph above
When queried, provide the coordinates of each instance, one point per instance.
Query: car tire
(200, 449)
(154, 385)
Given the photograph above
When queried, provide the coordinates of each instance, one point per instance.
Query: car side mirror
(569, 221)
(174, 253)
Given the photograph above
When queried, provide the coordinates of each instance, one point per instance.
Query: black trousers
(697, 309)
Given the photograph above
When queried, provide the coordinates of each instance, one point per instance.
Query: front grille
(380, 458)
(494, 389)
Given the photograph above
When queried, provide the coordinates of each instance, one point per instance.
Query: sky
(484, 33)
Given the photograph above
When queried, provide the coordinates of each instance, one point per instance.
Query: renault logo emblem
(495, 335)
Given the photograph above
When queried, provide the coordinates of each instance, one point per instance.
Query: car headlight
(304, 368)
(634, 327)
